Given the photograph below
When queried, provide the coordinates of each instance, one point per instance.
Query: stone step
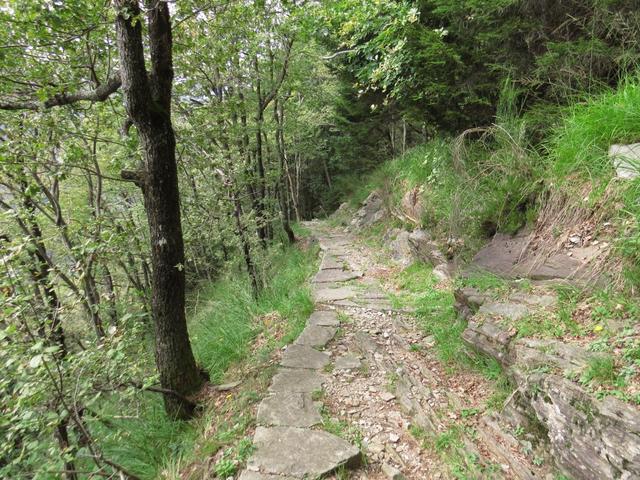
(324, 294)
(316, 336)
(300, 452)
(331, 276)
(324, 318)
(304, 356)
(298, 380)
(287, 409)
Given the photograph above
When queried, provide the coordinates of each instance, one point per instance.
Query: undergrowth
(224, 322)
(437, 316)
(496, 179)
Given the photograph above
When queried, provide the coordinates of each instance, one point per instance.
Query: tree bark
(278, 114)
(148, 103)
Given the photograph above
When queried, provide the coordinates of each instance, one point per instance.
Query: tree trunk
(148, 104)
(278, 114)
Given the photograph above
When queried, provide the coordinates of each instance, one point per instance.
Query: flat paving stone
(347, 362)
(324, 318)
(331, 276)
(286, 409)
(300, 380)
(329, 262)
(304, 356)
(316, 336)
(373, 295)
(325, 294)
(300, 452)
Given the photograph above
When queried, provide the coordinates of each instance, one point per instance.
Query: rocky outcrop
(425, 249)
(371, 211)
(489, 338)
(512, 256)
(399, 247)
(412, 205)
(589, 438)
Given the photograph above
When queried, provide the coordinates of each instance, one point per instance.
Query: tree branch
(281, 76)
(99, 94)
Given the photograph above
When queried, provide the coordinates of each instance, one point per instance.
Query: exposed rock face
(490, 338)
(425, 249)
(508, 256)
(371, 211)
(626, 160)
(589, 438)
(412, 206)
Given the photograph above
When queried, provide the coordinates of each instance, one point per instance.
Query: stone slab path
(287, 444)
(369, 367)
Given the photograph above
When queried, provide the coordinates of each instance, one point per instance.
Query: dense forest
(158, 160)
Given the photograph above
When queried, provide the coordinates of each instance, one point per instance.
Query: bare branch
(337, 54)
(99, 94)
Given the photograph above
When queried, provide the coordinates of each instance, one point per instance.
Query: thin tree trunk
(148, 104)
(278, 114)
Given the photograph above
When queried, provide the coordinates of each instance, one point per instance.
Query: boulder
(424, 249)
(626, 160)
(442, 272)
(371, 211)
(401, 251)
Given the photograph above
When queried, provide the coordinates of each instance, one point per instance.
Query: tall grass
(471, 187)
(578, 153)
(222, 324)
(580, 144)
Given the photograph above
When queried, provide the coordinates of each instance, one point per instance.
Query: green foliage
(601, 369)
(484, 281)
(224, 321)
(579, 146)
(226, 316)
(437, 316)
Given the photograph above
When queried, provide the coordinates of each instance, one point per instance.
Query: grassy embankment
(496, 180)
